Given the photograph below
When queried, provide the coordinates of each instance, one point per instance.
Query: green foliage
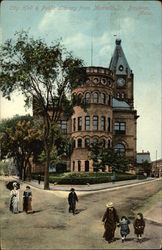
(20, 139)
(84, 178)
(45, 75)
(102, 156)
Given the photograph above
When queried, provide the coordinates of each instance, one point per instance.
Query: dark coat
(27, 199)
(124, 227)
(139, 225)
(72, 198)
(110, 219)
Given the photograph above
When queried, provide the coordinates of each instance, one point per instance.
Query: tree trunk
(46, 170)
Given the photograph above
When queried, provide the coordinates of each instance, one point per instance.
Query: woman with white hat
(14, 201)
(110, 219)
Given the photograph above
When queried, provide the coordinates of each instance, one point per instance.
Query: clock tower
(123, 76)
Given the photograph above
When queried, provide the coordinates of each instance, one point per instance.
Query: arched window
(95, 141)
(120, 148)
(79, 143)
(87, 142)
(80, 98)
(103, 98)
(95, 97)
(109, 143)
(95, 122)
(79, 166)
(103, 143)
(88, 97)
(103, 123)
(118, 95)
(123, 96)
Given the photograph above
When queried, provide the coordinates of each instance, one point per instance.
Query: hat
(14, 184)
(72, 189)
(109, 204)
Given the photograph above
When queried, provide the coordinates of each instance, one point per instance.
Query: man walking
(72, 199)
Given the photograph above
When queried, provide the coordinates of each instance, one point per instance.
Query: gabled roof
(118, 61)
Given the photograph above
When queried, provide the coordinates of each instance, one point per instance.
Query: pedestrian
(139, 225)
(27, 199)
(113, 179)
(39, 179)
(14, 200)
(124, 227)
(110, 220)
(72, 199)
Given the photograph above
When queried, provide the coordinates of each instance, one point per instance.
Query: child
(124, 228)
(139, 225)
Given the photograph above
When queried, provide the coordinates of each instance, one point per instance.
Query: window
(103, 143)
(79, 143)
(109, 143)
(63, 126)
(79, 123)
(120, 127)
(123, 95)
(95, 141)
(74, 143)
(118, 95)
(86, 166)
(73, 166)
(88, 97)
(95, 122)
(109, 100)
(79, 166)
(103, 123)
(109, 124)
(95, 97)
(87, 142)
(103, 98)
(87, 123)
(119, 148)
(74, 124)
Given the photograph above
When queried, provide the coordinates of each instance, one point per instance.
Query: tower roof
(118, 61)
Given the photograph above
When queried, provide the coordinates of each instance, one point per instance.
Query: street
(52, 227)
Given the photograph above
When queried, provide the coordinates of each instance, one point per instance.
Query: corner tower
(124, 115)
(123, 76)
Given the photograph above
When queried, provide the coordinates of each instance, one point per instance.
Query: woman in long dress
(110, 220)
(27, 199)
(14, 200)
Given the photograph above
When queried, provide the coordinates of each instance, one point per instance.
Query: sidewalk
(93, 187)
(154, 214)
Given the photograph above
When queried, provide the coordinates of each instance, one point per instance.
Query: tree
(21, 139)
(103, 156)
(45, 75)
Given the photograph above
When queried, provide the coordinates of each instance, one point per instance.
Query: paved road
(52, 227)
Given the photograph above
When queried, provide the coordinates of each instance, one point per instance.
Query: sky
(78, 23)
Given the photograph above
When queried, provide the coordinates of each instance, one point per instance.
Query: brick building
(157, 168)
(110, 116)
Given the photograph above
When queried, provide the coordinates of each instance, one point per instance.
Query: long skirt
(109, 232)
(14, 205)
(27, 207)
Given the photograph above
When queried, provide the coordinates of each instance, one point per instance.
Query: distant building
(143, 157)
(110, 116)
(157, 168)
